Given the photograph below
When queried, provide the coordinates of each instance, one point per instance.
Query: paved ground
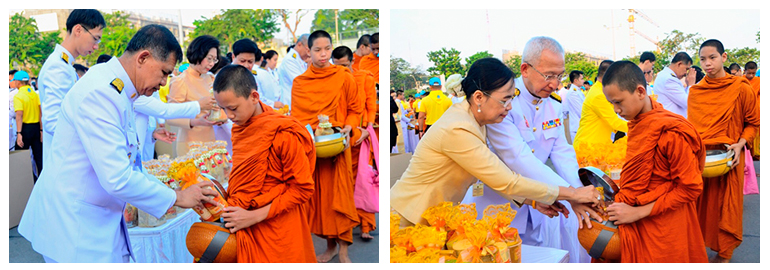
(20, 250)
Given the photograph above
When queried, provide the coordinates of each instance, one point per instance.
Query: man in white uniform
(246, 53)
(57, 76)
(529, 135)
(668, 85)
(647, 64)
(75, 211)
(572, 103)
(293, 65)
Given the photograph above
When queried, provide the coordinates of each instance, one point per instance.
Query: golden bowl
(327, 146)
(718, 162)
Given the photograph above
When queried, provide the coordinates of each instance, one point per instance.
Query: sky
(416, 32)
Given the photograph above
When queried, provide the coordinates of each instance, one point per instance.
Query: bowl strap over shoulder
(216, 245)
(597, 249)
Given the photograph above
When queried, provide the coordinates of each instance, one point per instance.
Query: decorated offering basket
(718, 162)
(602, 241)
(189, 175)
(131, 216)
(211, 242)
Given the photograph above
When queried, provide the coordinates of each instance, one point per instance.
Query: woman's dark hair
(223, 61)
(268, 55)
(486, 75)
(200, 47)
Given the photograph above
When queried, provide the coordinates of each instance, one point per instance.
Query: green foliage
(350, 22)
(514, 63)
(741, 56)
(115, 37)
(675, 42)
(473, 58)
(446, 62)
(259, 25)
(579, 61)
(404, 77)
(27, 48)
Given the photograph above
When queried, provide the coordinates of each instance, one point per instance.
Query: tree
(298, 14)
(235, 24)
(579, 61)
(351, 21)
(742, 55)
(28, 48)
(473, 58)
(514, 63)
(445, 62)
(405, 77)
(115, 37)
(677, 41)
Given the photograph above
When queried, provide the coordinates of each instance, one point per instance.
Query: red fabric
(723, 110)
(665, 159)
(273, 160)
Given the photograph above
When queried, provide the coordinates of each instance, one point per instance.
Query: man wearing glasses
(57, 76)
(646, 64)
(530, 134)
(669, 89)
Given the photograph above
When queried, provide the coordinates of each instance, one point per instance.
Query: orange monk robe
(664, 165)
(331, 91)
(755, 144)
(723, 111)
(367, 94)
(356, 62)
(273, 161)
(372, 64)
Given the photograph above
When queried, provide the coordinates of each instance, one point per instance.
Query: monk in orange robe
(750, 74)
(371, 62)
(722, 107)
(362, 49)
(367, 95)
(331, 90)
(661, 179)
(271, 181)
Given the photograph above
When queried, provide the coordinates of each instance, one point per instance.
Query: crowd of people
(498, 138)
(94, 126)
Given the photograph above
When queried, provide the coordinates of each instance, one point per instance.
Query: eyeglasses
(212, 59)
(98, 40)
(548, 78)
(504, 103)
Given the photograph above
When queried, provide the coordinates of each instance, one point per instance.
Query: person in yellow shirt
(433, 105)
(599, 120)
(28, 130)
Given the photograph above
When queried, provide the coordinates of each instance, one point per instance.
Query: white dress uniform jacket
(671, 93)
(267, 87)
(291, 67)
(75, 211)
(56, 78)
(527, 137)
(150, 111)
(572, 104)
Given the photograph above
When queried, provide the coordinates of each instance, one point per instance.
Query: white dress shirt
(291, 67)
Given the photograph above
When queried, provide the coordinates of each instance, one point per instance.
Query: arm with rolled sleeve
(473, 156)
(104, 142)
(510, 147)
(55, 85)
(156, 108)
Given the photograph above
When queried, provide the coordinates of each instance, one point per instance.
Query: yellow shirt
(434, 105)
(598, 120)
(448, 159)
(28, 101)
(163, 91)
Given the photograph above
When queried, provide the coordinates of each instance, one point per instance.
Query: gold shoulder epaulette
(117, 84)
(516, 93)
(556, 96)
(65, 57)
(254, 72)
